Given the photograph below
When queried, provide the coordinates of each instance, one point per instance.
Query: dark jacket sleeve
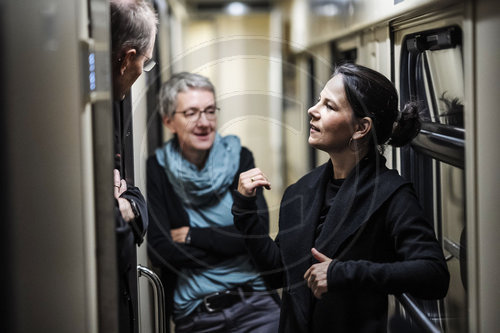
(247, 163)
(138, 226)
(264, 251)
(223, 241)
(165, 213)
(128, 235)
(418, 267)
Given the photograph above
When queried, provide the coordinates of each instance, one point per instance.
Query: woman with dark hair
(361, 222)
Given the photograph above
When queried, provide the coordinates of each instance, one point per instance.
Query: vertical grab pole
(159, 296)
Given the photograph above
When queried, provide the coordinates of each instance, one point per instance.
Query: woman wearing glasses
(211, 280)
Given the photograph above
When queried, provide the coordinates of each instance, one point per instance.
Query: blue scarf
(202, 187)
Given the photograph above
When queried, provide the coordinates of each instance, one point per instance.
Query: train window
(446, 75)
(431, 73)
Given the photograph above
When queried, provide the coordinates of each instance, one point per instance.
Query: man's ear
(364, 127)
(167, 121)
(127, 59)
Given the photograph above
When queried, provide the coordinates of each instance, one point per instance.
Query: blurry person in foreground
(133, 31)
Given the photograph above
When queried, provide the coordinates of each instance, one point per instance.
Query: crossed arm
(170, 225)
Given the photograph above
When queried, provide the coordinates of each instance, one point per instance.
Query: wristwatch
(188, 238)
(135, 210)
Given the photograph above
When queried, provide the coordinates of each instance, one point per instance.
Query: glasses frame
(149, 64)
(197, 113)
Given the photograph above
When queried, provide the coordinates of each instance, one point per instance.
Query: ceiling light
(237, 9)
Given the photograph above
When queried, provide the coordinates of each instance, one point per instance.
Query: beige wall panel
(297, 129)
(235, 53)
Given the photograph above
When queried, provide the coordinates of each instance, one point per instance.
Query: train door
(429, 69)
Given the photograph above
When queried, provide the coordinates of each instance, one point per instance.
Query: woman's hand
(316, 274)
(179, 234)
(250, 180)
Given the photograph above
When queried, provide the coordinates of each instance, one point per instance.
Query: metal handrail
(159, 296)
(416, 314)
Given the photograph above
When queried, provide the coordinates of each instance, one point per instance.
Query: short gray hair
(133, 23)
(180, 82)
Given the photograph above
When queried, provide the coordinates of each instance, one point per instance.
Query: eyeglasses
(149, 64)
(194, 114)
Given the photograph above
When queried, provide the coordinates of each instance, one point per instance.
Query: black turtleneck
(332, 187)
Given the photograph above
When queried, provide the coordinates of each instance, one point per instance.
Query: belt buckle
(206, 301)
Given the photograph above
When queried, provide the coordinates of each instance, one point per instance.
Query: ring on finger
(252, 179)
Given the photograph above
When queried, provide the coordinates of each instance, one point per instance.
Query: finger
(116, 183)
(250, 173)
(311, 282)
(123, 185)
(268, 185)
(248, 186)
(253, 175)
(260, 183)
(116, 177)
(319, 256)
(116, 188)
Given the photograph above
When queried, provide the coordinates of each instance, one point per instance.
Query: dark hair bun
(407, 126)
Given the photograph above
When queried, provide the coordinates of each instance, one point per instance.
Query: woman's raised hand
(252, 179)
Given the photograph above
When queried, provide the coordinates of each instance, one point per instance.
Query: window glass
(444, 85)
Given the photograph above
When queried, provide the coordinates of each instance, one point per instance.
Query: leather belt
(223, 299)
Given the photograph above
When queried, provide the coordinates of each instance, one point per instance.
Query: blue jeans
(258, 312)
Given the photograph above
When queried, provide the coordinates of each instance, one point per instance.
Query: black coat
(209, 246)
(377, 235)
(128, 235)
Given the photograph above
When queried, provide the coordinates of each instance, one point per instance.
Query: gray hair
(180, 82)
(133, 23)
